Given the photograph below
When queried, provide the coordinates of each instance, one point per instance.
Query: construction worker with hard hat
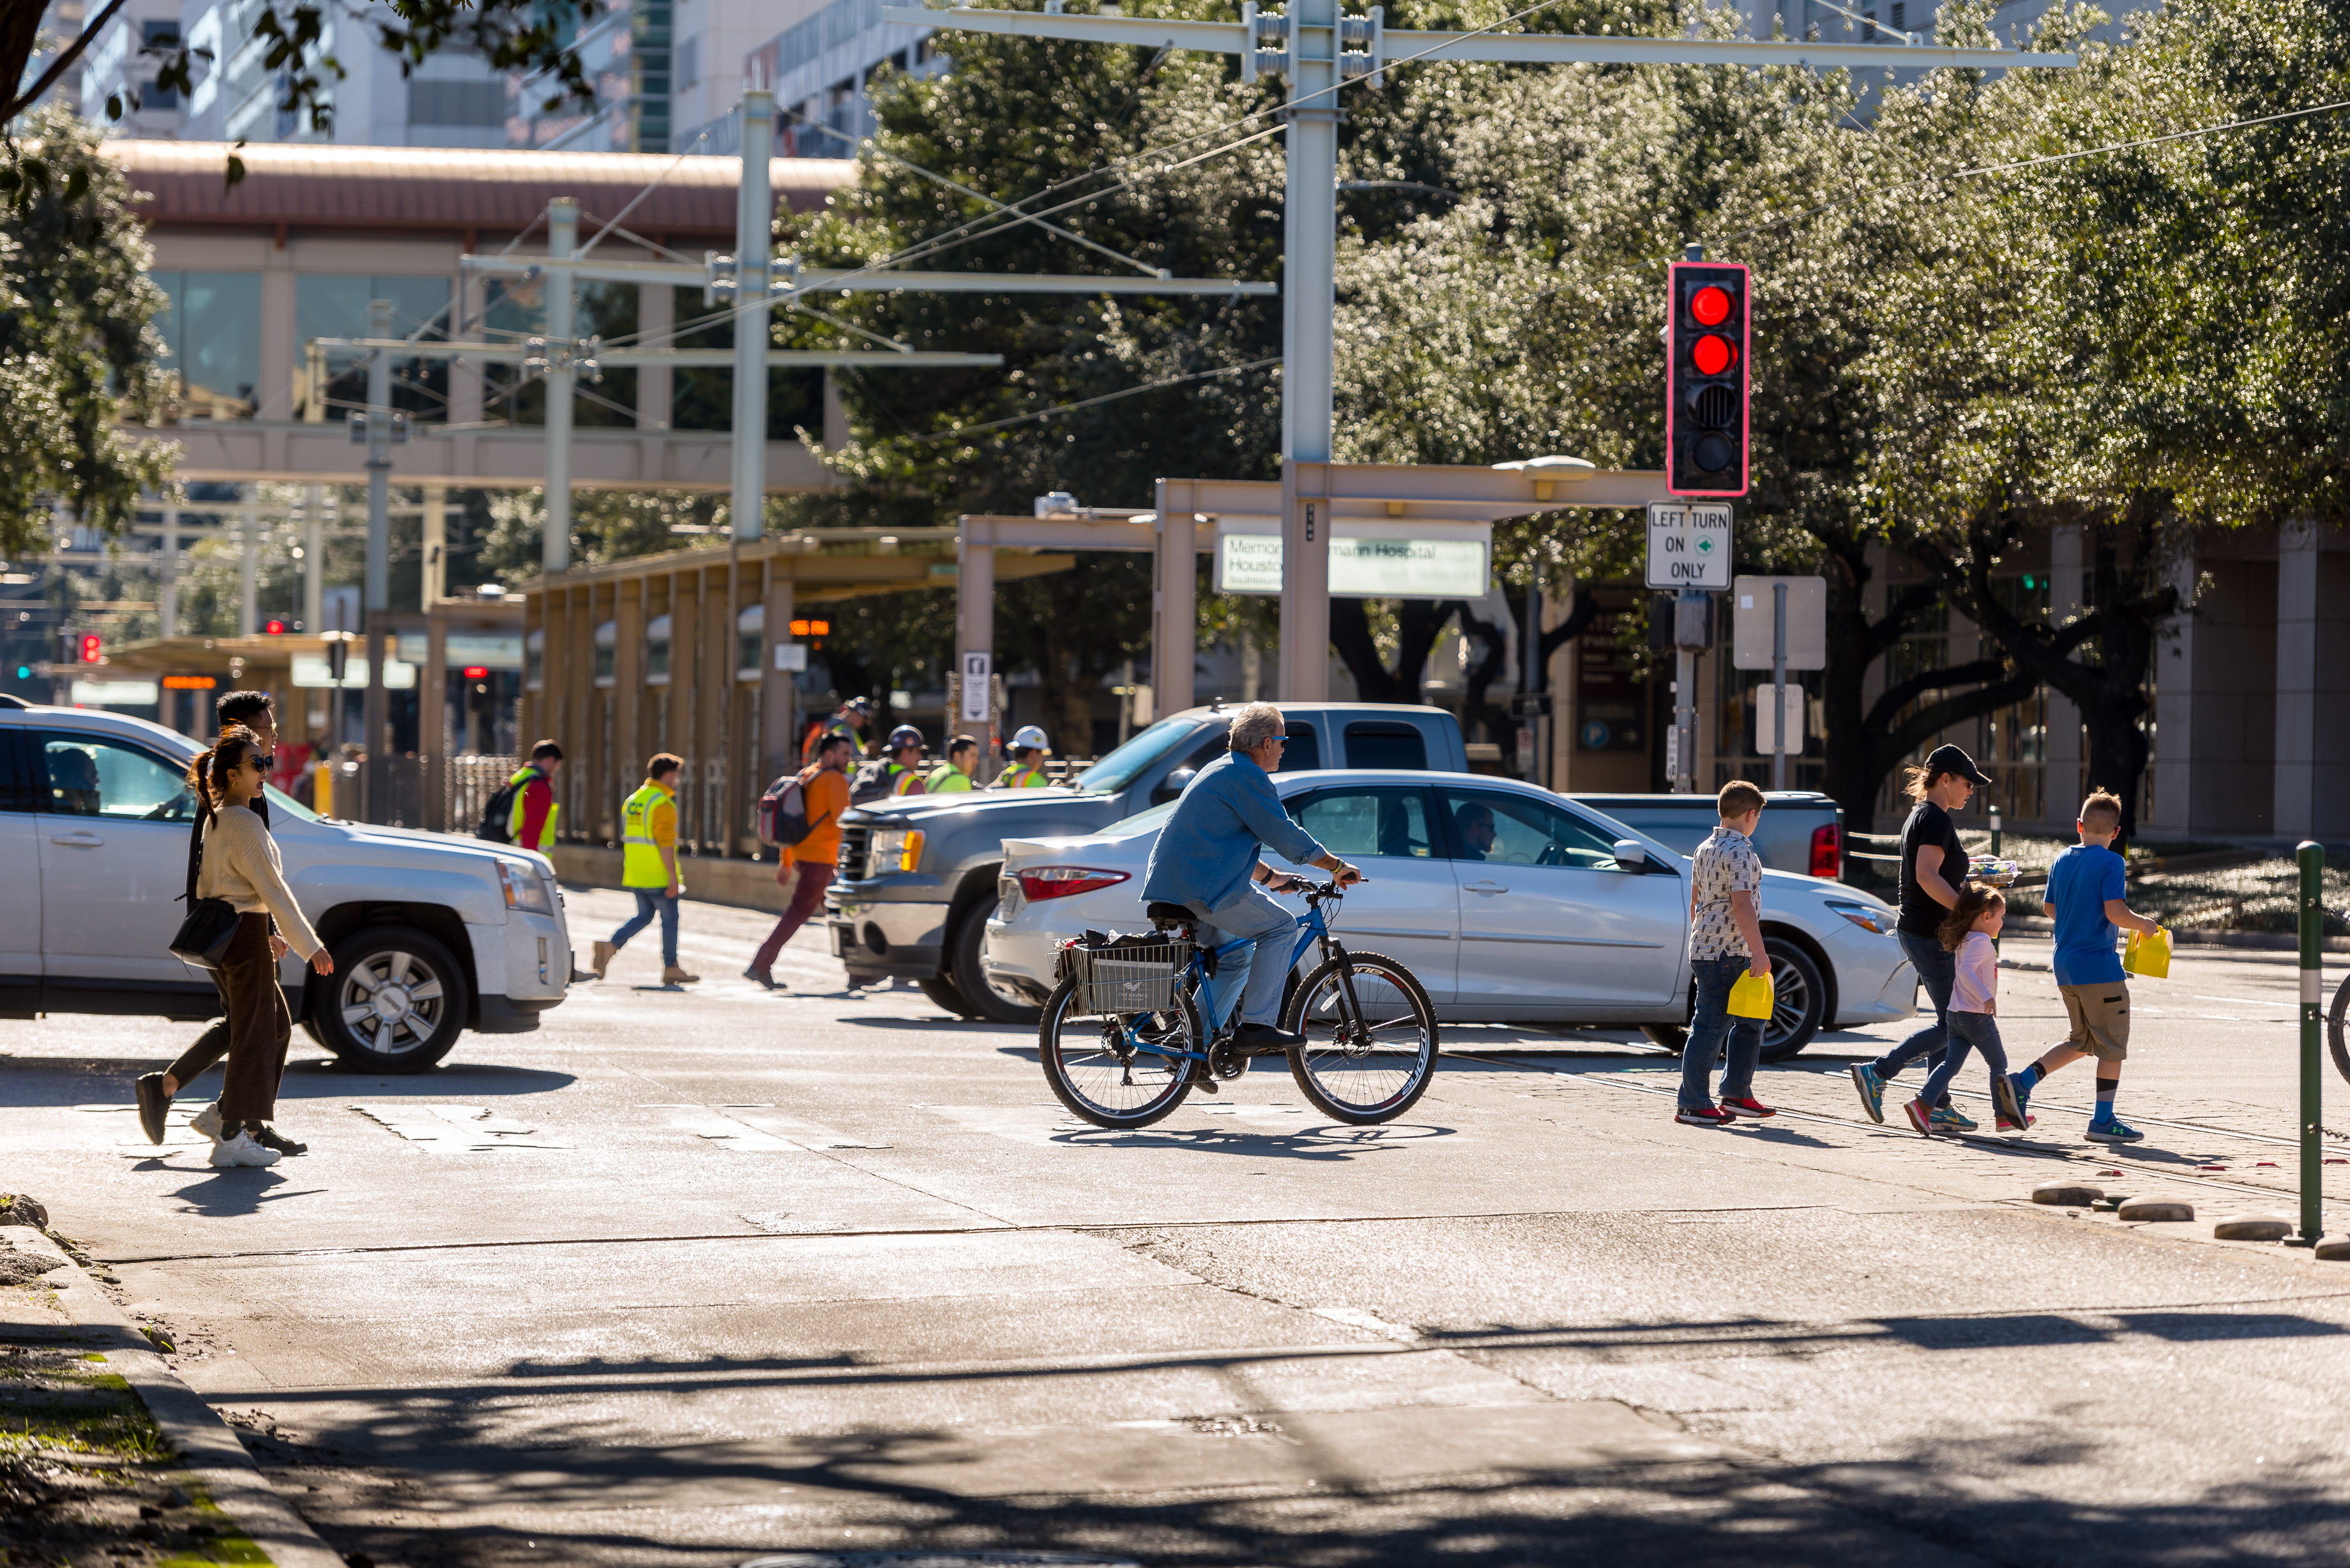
(905, 761)
(1027, 769)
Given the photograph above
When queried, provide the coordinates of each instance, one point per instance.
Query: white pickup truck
(431, 935)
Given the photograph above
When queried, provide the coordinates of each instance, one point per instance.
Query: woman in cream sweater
(240, 864)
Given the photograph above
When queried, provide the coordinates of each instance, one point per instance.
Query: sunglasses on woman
(263, 764)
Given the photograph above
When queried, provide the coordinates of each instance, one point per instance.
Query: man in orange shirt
(806, 869)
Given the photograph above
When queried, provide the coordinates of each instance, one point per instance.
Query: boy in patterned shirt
(1725, 941)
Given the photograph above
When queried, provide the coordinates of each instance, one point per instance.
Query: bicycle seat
(1176, 914)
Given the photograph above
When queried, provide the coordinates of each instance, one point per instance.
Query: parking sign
(1689, 545)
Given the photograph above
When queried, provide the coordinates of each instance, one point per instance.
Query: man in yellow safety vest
(530, 823)
(649, 867)
(956, 773)
(1026, 770)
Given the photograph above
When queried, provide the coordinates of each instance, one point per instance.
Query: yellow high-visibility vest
(641, 861)
(514, 818)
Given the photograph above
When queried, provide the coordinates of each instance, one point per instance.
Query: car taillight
(1062, 881)
(1827, 851)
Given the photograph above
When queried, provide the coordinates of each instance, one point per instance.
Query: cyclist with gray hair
(1207, 860)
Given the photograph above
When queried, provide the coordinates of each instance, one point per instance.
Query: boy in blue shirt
(2085, 886)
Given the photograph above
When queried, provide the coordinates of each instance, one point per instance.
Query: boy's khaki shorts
(2099, 1015)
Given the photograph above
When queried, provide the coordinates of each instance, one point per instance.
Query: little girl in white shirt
(1969, 930)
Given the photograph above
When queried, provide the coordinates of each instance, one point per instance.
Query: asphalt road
(689, 1277)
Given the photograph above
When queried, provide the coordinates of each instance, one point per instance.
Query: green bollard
(2311, 856)
(1994, 830)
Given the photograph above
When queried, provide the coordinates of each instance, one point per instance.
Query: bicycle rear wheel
(1370, 1061)
(1113, 1070)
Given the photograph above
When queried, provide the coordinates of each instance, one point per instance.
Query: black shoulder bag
(204, 935)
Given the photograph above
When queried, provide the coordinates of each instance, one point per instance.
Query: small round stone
(2156, 1208)
(2336, 1251)
(2066, 1194)
(2253, 1228)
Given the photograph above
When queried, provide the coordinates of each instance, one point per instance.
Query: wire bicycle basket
(1129, 974)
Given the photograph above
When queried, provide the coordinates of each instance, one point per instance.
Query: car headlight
(1868, 916)
(525, 889)
(894, 849)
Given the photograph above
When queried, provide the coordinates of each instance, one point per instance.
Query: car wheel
(1800, 1000)
(945, 995)
(987, 1000)
(396, 1002)
(1667, 1036)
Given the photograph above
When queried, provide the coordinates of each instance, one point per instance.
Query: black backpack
(498, 816)
(782, 812)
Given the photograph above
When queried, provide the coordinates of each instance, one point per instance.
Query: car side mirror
(1633, 855)
(1173, 785)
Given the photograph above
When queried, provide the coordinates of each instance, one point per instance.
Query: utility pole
(1318, 48)
(377, 590)
(248, 541)
(562, 294)
(1778, 686)
(753, 246)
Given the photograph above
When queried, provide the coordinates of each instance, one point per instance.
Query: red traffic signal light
(274, 628)
(1708, 336)
(93, 650)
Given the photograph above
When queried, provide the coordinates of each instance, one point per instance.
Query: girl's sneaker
(1871, 1085)
(1750, 1107)
(1950, 1119)
(208, 1121)
(2114, 1131)
(2003, 1124)
(1703, 1116)
(1921, 1116)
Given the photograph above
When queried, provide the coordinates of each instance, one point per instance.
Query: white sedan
(1509, 903)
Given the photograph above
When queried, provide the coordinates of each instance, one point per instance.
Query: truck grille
(855, 845)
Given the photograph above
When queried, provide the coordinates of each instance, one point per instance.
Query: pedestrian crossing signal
(1708, 336)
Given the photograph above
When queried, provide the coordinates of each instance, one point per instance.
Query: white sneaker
(241, 1150)
(208, 1121)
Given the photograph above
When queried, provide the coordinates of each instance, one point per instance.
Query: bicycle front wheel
(1370, 1039)
(2336, 1017)
(1114, 1071)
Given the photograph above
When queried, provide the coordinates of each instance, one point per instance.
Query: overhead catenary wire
(960, 431)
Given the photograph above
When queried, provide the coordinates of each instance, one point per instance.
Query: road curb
(192, 1428)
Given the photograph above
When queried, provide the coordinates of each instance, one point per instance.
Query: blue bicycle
(1124, 1039)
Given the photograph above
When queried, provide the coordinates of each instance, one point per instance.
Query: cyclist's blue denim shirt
(1228, 815)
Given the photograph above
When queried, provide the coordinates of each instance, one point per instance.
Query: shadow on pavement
(98, 1080)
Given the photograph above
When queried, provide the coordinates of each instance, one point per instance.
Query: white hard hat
(1029, 735)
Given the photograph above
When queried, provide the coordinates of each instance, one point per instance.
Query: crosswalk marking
(455, 1129)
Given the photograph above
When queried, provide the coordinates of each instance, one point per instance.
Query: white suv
(431, 934)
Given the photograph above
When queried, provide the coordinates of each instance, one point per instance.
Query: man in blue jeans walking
(1725, 941)
(1933, 870)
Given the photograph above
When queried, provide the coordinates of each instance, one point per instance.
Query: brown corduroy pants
(259, 1026)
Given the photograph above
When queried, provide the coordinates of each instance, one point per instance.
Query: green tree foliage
(1015, 116)
(76, 355)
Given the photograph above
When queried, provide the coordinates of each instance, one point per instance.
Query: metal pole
(2311, 856)
(1779, 685)
(1684, 704)
(562, 294)
(755, 222)
(167, 598)
(248, 609)
(1531, 682)
(1309, 288)
(313, 559)
(376, 601)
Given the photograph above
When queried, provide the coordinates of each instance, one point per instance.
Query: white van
(431, 935)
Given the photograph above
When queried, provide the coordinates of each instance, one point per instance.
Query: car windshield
(1140, 822)
(280, 801)
(1124, 765)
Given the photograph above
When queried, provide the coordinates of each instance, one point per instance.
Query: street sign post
(977, 667)
(1689, 545)
(1781, 624)
(1688, 552)
(1778, 715)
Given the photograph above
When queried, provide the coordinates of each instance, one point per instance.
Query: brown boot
(675, 976)
(601, 959)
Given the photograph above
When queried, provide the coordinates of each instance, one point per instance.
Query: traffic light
(274, 628)
(1707, 333)
(93, 650)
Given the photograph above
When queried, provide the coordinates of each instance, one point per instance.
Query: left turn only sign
(1689, 545)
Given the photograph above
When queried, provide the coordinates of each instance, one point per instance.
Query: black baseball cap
(1952, 760)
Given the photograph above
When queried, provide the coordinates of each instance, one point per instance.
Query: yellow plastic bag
(1752, 996)
(2147, 956)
